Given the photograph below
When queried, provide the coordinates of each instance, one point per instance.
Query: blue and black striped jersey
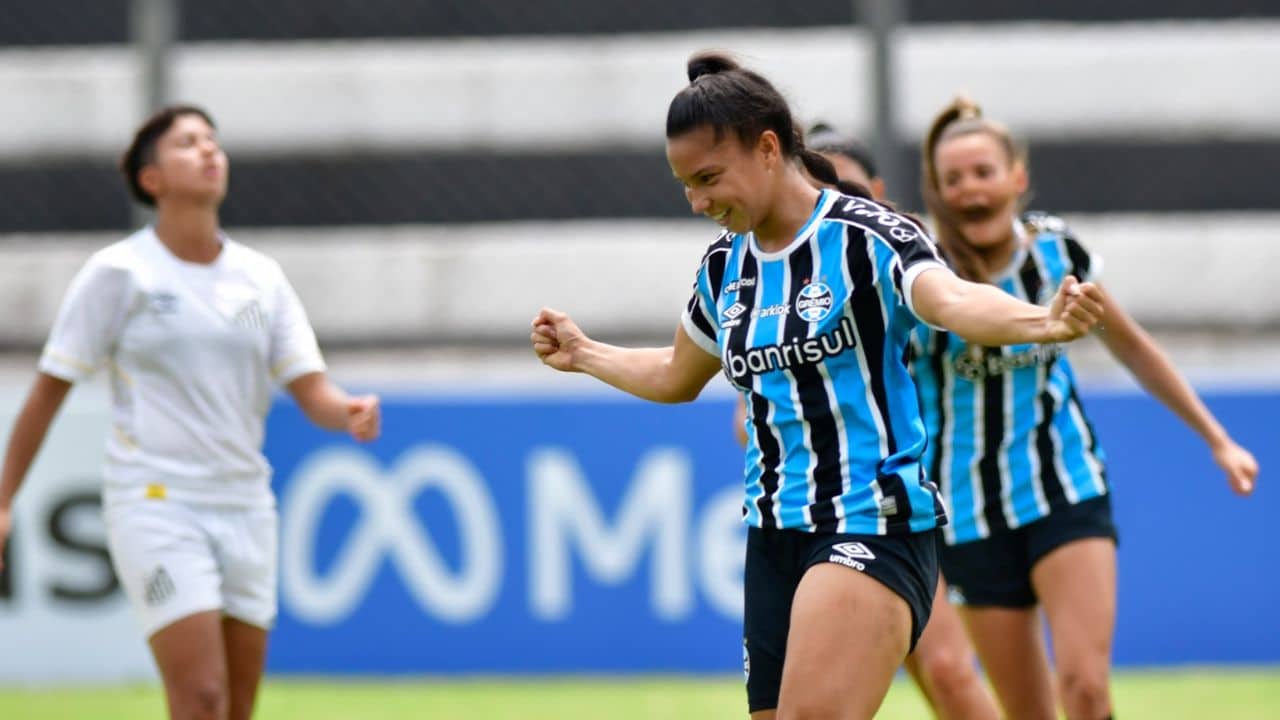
(816, 337)
(1009, 439)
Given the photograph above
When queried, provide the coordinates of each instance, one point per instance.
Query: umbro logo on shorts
(850, 554)
(158, 587)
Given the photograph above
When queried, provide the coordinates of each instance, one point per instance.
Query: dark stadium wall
(61, 22)
(344, 188)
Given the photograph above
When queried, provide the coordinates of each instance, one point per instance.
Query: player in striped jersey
(942, 663)
(1020, 467)
(806, 302)
(196, 331)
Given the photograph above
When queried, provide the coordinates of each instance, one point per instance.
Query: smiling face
(724, 180)
(187, 164)
(980, 182)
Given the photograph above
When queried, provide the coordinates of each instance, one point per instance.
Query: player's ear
(1020, 179)
(769, 148)
(151, 179)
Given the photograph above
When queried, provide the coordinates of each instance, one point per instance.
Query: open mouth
(721, 217)
(976, 213)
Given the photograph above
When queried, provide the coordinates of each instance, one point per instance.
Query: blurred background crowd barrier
(405, 151)
(430, 173)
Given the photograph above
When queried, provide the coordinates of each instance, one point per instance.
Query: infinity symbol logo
(388, 526)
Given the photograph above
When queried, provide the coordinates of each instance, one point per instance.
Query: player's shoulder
(121, 259)
(720, 248)
(1046, 225)
(867, 215)
(251, 260)
(1053, 237)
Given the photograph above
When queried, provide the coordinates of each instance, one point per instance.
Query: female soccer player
(195, 329)
(1017, 460)
(806, 301)
(942, 663)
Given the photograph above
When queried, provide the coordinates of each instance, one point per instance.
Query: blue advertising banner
(604, 535)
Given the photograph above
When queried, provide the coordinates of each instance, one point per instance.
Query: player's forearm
(28, 434)
(986, 315)
(323, 402)
(644, 372)
(1155, 371)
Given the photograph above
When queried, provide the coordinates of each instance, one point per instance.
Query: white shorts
(176, 560)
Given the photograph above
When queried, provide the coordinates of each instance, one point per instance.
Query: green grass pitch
(1220, 694)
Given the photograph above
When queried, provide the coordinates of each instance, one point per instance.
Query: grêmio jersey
(1010, 441)
(816, 336)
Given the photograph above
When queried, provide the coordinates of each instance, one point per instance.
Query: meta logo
(570, 538)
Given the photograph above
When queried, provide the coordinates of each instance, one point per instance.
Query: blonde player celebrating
(1011, 446)
(195, 329)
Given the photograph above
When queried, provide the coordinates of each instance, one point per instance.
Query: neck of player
(796, 202)
(995, 242)
(190, 231)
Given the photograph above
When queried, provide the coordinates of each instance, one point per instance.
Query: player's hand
(6, 524)
(555, 337)
(1075, 310)
(1239, 465)
(364, 417)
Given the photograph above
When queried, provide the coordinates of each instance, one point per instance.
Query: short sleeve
(1072, 257)
(911, 253)
(699, 319)
(1086, 266)
(294, 350)
(88, 322)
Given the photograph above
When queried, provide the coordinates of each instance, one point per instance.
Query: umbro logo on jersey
(850, 554)
(251, 316)
(158, 587)
(732, 315)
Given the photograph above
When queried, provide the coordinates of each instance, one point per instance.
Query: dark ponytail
(710, 62)
(725, 96)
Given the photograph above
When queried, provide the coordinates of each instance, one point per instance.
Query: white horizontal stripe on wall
(448, 284)
(1153, 79)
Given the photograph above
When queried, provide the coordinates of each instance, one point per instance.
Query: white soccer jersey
(193, 351)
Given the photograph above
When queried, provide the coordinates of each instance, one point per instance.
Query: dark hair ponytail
(710, 62)
(725, 96)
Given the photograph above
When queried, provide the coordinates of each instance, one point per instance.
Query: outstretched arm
(671, 374)
(29, 431)
(985, 315)
(1140, 353)
(330, 407)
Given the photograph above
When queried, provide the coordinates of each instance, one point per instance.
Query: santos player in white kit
(195, 330)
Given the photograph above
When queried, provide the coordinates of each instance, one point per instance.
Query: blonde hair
(962, 117)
